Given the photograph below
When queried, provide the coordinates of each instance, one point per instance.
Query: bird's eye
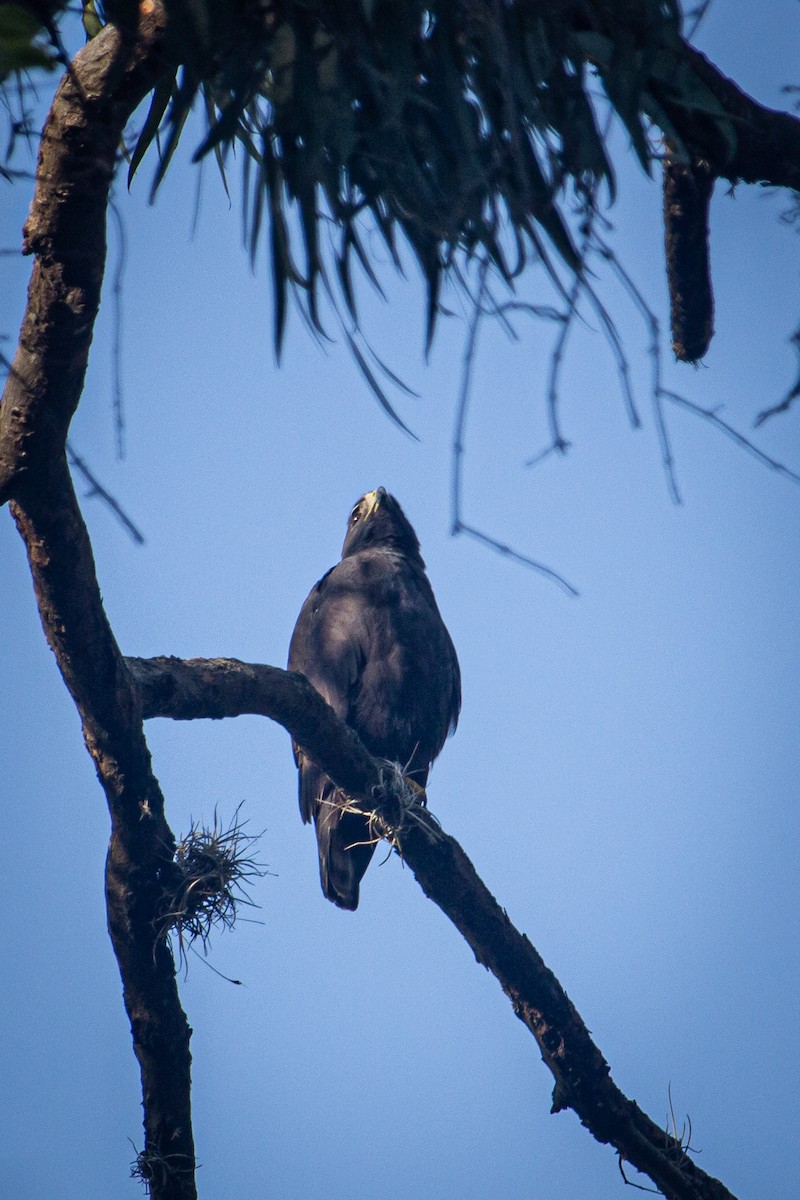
(354, 516)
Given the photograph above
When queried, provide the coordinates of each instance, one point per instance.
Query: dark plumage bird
(371, 641)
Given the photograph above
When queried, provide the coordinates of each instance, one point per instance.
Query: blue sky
(624, 775)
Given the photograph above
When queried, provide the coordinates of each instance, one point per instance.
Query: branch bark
(66, 232)
(687, 200)
(766, 151)
(767, 141)
(141, 847)
(216, 688)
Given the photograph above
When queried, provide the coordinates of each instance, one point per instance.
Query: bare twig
(470, 346)
(654, 349)
(116, 338)
(790, 397)
(614, 341)
(509, 552)
(458, 525)
(640, 1187)
(712, 416)
(695, 17)
(96, 489)
(590, 217)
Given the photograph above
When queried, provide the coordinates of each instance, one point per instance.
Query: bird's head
(378, 520)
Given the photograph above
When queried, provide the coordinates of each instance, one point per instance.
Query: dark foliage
(463, 127)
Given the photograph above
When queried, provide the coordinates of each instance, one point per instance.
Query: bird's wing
(329, 640)
(446, 686)
(328, 646)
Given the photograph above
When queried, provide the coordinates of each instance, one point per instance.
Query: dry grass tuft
(155, 1170)
(213, 869)
(397, 802)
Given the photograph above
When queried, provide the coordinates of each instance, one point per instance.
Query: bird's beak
(374, 499)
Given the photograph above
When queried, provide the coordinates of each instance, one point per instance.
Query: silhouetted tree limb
(142, 845)
(66, 232)
(216, 688)
(766, 149)
(186, 690)
(688, 188)
(96, 489)
(767, 145)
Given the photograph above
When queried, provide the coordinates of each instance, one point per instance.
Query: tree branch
(216, 688)
(189, 689)
(66, 232)
(142, 844)
(767, 141)
(688, 188)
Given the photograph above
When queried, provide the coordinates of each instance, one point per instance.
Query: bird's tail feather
(345, 850)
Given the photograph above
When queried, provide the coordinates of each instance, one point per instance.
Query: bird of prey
(371, 640)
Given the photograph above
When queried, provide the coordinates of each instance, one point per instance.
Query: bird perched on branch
(371, 641)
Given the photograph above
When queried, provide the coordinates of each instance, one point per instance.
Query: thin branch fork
(216, 688)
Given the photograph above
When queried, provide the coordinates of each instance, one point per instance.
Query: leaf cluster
(27, 36)
(461, 125)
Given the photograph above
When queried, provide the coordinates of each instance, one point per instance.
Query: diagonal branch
(767, 140)
(187, 690)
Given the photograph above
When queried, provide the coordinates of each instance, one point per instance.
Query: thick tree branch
(187, 690)
(767, 141)
(141, 846)
(66, 231)
(766, 149)
(687, 200)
